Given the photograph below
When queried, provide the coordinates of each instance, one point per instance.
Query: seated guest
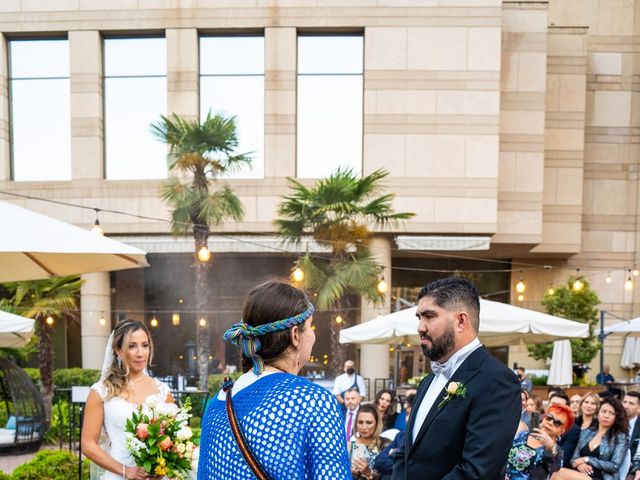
(384, 461)
(601, 448)
(574, 403)
(364, 446)
(403, 416)
(525, 416)
(535, 455)
(588, 411)
(386, 404)
(558, 396)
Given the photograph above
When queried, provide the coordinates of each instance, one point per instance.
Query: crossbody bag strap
(253, 463)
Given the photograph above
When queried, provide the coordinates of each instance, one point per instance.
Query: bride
(123, 386)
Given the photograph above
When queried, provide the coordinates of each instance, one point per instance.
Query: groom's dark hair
(450, 292)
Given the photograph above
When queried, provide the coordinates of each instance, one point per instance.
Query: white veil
(108, 358)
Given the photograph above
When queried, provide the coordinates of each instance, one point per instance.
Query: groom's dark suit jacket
(466, 438)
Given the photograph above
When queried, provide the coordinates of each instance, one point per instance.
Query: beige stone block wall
(183, 82)
(87, 111)
(522, 122)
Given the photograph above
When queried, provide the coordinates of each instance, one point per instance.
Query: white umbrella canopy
(628, 358)
(561, 370)
(34, 246)
(500, 324)
(626, 327)
(15, 331)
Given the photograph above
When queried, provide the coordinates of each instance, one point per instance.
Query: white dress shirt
(439, 382)
(632, 423)
(344, 382)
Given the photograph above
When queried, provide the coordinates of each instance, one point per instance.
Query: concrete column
(95, 299)
(280, 102)
(5, 159)
(87, 111)
(183, 72)
(374, 359)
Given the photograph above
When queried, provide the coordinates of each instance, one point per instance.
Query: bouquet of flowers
(160, 440)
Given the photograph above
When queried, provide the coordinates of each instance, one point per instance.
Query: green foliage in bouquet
(160, 440)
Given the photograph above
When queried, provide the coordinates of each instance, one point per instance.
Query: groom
(466, 412)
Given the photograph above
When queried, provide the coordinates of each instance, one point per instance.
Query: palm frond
(221, 204)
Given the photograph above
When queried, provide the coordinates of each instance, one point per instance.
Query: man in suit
(352, 400)
(467, 410)
(631, 404)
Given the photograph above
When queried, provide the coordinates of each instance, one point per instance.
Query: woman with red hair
(535, 455)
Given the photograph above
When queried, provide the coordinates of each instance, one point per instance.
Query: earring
(119, 362)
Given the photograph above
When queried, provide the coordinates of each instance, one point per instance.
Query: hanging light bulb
(49, 320)
(338, 319)
(628, 285)
(102, 320)
(382, 287)
(175, 319)
(97, 229)
(521, 286)
(154, 321)
(204, 254)
(297, 275)
(608, 279)
(521, 298)
(551, 291)
(202, 322)
(577, 284)
(636, 272)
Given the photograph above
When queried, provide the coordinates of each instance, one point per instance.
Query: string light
(338, 319)
(204, 254)
(297, 275)
(521, 298)
(154, 321)
(382, 287)
(578, 284)
(636, 272)
(202, 322)
(102, 320)
(628, 285)
(49, 320)
(97, 229)
(551, 290)
(520, 286)
(608, 279)
(175, 319)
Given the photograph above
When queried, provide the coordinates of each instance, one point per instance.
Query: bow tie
(442, 369)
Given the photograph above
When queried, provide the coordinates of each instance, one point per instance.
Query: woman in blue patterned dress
(292, 427)
(535, 455)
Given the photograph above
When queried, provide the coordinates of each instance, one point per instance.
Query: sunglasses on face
(554, 420)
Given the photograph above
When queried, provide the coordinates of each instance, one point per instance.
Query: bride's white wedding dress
(116, 412)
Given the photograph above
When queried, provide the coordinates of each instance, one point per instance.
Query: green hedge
(51, 465)
(4, 476)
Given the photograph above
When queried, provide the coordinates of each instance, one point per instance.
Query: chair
(27, 421)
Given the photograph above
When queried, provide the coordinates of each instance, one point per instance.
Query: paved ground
(9, 462)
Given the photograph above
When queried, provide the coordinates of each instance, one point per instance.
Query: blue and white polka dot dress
(292, 426)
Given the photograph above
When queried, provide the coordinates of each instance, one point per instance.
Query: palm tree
(204, 151)
(336, 212)
(39, 299)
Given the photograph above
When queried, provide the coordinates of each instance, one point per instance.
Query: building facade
(509, 127)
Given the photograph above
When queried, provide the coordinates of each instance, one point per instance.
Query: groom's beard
(441, 346)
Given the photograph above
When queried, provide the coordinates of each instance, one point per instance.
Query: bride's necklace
(132, 382)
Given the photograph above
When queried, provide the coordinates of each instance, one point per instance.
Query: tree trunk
(338, 353)
(45, 345)
(202, 335)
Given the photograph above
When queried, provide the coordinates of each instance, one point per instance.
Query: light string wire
(516, 266)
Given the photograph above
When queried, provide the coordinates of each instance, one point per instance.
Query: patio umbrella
(628, 358)
(15, 331)
(561, 370)
(34, 246)
(500, 324)
(626, 327)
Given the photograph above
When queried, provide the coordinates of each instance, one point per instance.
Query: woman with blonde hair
(587, 417)
(364, 445)
(124, 385)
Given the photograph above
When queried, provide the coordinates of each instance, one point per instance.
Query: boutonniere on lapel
(454, 390)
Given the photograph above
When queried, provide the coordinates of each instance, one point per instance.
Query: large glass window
(232, 83)
(40, 109)
(330, 91)
(135, 95)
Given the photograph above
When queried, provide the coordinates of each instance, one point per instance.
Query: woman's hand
(543, 438)
(360, 467)
(578, 461)
(137, 473)
(585, 468)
